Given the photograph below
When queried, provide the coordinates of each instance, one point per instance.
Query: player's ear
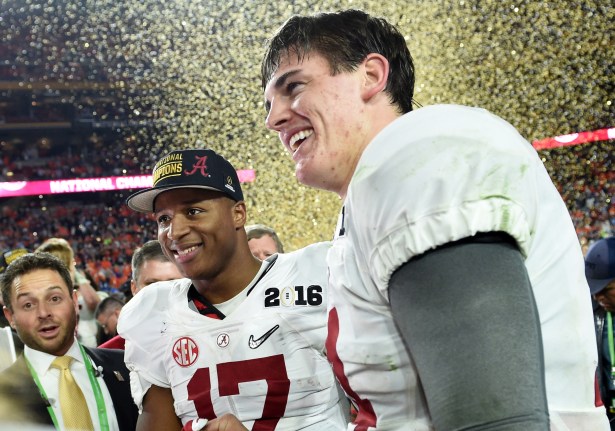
(239, 214)
(8, 313)
(376, 74)
(75, 300)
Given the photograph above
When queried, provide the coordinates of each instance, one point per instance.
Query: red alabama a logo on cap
(199, 165)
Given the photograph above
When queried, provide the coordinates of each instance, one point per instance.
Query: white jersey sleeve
(471, 173)
(141, 323)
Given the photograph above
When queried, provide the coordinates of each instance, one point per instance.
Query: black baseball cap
(8, 256)
(197, 169)
(600, 264)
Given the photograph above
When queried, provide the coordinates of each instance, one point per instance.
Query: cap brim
(143, 201)
(595, 286)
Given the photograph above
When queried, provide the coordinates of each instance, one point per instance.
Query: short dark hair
(259, 230)
(28, 263)
(345, 38)
(109, 303)
(151, 250)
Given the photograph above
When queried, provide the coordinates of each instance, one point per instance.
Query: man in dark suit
(42, 306)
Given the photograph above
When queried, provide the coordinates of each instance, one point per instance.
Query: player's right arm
(158, 412)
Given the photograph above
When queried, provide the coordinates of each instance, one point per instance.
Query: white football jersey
(436, 175)
(263, 363)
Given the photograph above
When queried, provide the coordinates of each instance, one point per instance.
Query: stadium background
(94, 88)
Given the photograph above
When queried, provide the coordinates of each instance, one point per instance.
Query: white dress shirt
(49, 378)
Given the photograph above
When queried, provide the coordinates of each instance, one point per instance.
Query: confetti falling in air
(186, 73)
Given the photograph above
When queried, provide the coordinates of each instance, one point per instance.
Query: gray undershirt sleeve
(469, 320)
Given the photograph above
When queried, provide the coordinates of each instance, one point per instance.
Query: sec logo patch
(185, 351)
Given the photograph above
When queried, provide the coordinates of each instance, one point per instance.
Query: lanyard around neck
(100, 402)
(609, 328)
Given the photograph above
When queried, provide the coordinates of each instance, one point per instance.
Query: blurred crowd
(585, 177)
(592, 209)
(98, 160)
(104, 232)
(101, 229)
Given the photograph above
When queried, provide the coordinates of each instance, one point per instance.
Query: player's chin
(187, 270)
(307, 175)
(196, 270)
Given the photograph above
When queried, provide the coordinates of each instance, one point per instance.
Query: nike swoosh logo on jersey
(255, 343)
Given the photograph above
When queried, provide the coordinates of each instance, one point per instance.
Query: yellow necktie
(72, 402)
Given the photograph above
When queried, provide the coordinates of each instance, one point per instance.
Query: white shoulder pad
(311, 259)
(145, 308)
(141, 323)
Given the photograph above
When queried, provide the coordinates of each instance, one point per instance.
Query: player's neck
(237, 274)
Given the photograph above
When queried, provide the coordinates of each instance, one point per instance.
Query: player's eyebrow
(279, 82)
(28, 294)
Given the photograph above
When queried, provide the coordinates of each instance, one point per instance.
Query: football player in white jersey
(457, 297)
(236, 336)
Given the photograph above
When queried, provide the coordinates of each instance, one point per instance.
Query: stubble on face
(54, 332)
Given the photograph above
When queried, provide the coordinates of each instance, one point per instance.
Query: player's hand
(228, 422)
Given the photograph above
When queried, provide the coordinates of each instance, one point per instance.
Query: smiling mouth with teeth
(186, 251)
(298, 138)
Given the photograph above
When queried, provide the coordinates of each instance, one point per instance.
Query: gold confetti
(186, 73)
